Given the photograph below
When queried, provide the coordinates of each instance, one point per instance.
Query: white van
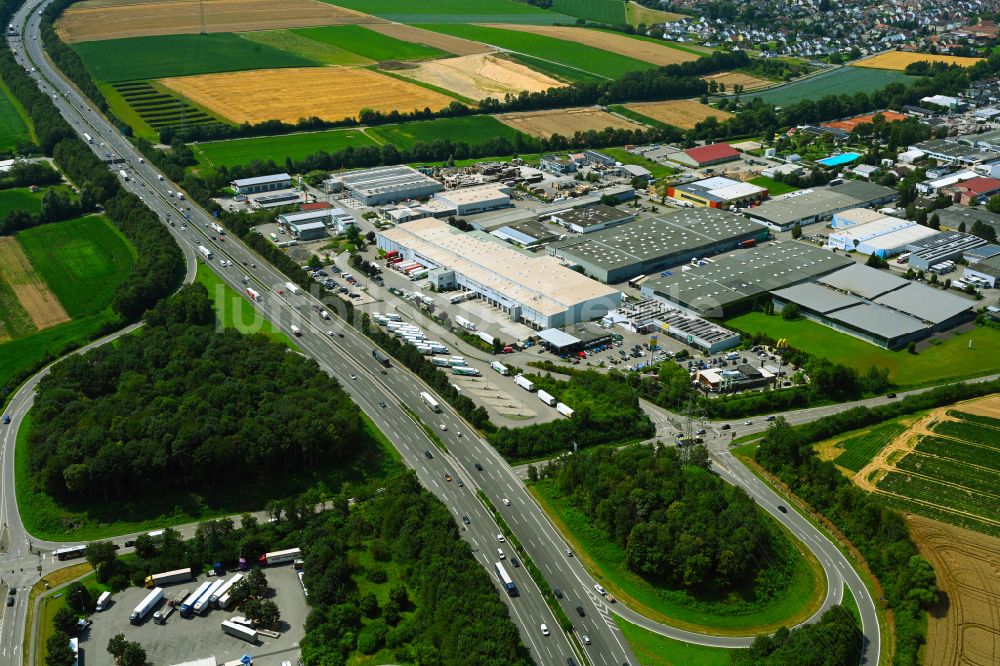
(102, 601)
(500, 553)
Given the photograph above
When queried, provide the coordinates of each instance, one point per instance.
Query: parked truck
(205, 252)
(547, 398)
(466, 371)
(224, 590)
(500, 367)
(204, 602)
(187, 606)
(160, 616)
(280, 557)
(440, 362)
(146, 605)
(564, 410)
(168, 577)
(239, 631)
(103, 601)
(524, 383)
(430, 401)
(465, 323)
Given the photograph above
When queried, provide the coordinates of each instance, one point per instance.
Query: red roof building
(318, 205)
(973, 191)
(716, 153)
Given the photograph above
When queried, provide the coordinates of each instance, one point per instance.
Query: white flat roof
(540, 283)
(467, 195)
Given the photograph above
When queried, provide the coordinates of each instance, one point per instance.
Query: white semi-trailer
(547, 398)
(500, 367)
(168, 577)
(188, 606)
(564, 410)
(205, 252)
(204, 603)
(280, 557)
(430, 401)
(222, 591)
(524, 383)
(146, 605)
(239, 631)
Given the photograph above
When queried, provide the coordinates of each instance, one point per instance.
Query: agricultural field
(730, 79)
(20, 198)
(449, 11)
(853, 451)
(145, 104)
(436, 40)
(28, 286)
(472, 130)
(369, 44)
(655, 52)
(899, 60)
(310, 49)
(277, 148)
(13, 125)
(94, 21)
(964, 628)
(565, 122)
(682, 113)
(479, 76)
(331, 93)
(842, 80)
(140, 58)
(587, 60)
(953, 359)
(636, 15)
(611, 12)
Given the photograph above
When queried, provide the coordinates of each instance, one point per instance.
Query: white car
(353, 376)
(500, 538)
(545, 630)
(443, 427)
(506, 502)
(586, 639)
(500, 553)
(600, 590)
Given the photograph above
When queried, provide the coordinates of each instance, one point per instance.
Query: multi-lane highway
(347, 356)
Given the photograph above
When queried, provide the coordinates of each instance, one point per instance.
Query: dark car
(479, 467)
(381, 403)
(579, 611)
(724, 426)
(890, 395)
(465, 519)
(12, 591)
(130, 543)
(6, 419)
(514, 562)
(428, 455)
(782, 508)
(570, 662)
(558, 593)
(10, 601)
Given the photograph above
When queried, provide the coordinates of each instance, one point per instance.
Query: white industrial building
(277, 181)
(478, 199)
(382, 185)
(884, 237)
(854, 217)
(537, 291)
(337, 220)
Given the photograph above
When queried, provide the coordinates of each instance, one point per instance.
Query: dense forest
(835, 640)
(680, 525)
(880, 533)
(181, 406)
(605, 412)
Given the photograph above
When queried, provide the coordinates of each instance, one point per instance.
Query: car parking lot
(184, 639)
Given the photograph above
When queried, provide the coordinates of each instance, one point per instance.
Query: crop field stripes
(161, 110)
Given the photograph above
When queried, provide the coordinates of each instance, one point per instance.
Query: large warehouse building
(719, 192)
(876, 306)
(883, 237)
(382, 185)
(652, 244)
(819, 204)
(732, 283)
(537, 291)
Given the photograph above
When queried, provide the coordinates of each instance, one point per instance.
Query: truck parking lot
(182, 639)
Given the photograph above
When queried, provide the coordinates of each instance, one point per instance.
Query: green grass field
(950, 360)
(655, 650)
(611, 12)
(277, 148)
(20, 198)
(14, 128)
(566, 73)
(658, 170)
(568, 54)
(180, 55)
(233, 310)
(774, 188)
(369, 44)
(82, 260)
(843, 80)
(606, 561)
(448, 11)
(470, 129)
(860, 449)
(290, 41)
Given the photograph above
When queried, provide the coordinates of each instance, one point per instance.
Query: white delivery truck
(296, 331)
(146, 605)
(564, 410)
(524, 383)
(430, 401)
(205, 251)
(239, 631)
(500, 367)
(547, 398)
(103, 601)
(292, 287)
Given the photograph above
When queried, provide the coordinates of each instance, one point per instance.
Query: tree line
(679, 525)
(836, 640)
(180, 407)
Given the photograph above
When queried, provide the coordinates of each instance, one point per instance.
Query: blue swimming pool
(837, 160)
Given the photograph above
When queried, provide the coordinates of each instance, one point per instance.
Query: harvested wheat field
(565, 122)
(330, 93)
(34, 295)
(84, 22)
(731, 79)
(640, 49)
(898, 60)
(682, 113)
(480, 76)
(963, 629)
(436, 40)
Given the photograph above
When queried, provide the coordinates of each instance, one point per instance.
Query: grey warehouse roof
(863, 281)
(816, 297)
(880, 321)
(926, 303)
(818, 201)
(386, 179)
(682, 232)
(261, 180)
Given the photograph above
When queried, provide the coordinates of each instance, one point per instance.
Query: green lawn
(14, 319)
(472, 130)
(234, 310)
(449, 11)
(658, 170)
(20, 198)
(850, 603)
(839, 81)
(774, 188)
(290, 41)
(369, 44)
(82, 260)
(611, 12)
(14, 128)
(180, 55)
(557, 71)
(950, 360)
(652, 649)
(277, 148)
(568, 54)
(605, 560)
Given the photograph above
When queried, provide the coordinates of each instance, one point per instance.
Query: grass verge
(232, 310)
(49, 583)
(652, 649)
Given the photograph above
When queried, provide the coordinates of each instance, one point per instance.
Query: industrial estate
(499, 332)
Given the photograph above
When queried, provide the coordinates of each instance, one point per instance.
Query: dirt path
(34, 295)
(903, 444)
